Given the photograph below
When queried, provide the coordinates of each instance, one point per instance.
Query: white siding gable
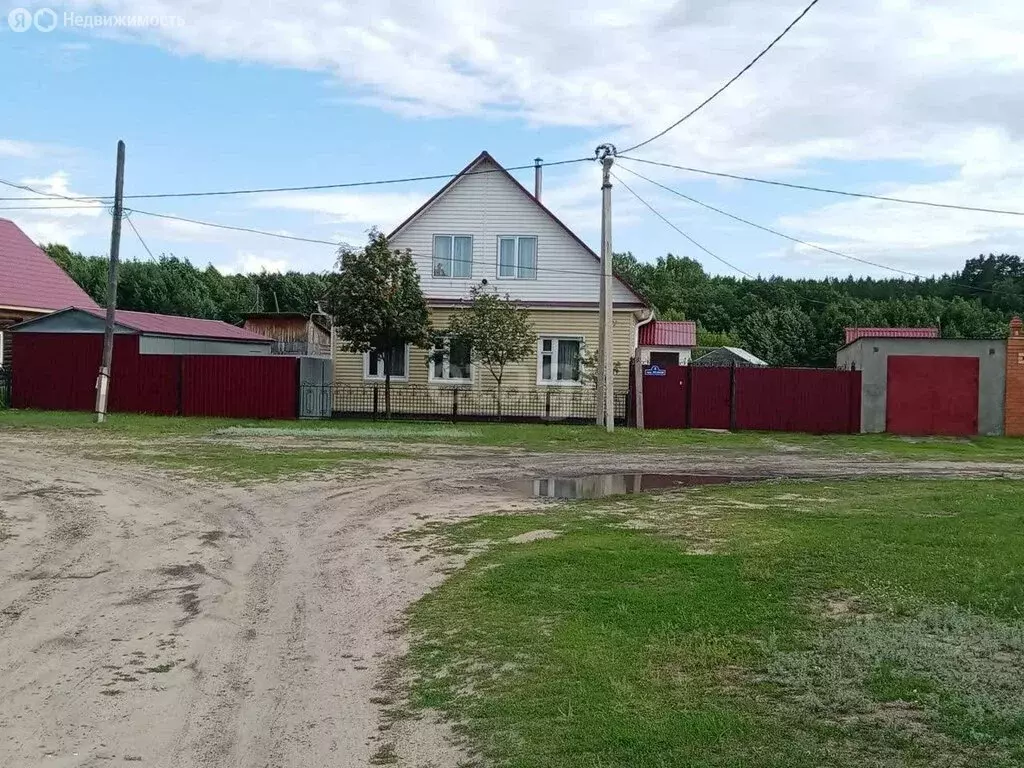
(488, 206)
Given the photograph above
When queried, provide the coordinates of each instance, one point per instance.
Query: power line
(734, 78)
(802, 242)
(809, 188)
(310, 188)
(33, 190)
(236, 229)
(768, 229)
(677, 229)
(316, 241)
(96, 206)
(136, 231)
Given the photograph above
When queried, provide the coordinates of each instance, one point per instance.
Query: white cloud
(247, 263)
(22, 149)
(56, 220)
(932, 84)
(384, 210)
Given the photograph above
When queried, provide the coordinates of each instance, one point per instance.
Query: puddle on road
(614, 484)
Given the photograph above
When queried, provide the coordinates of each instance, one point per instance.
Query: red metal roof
(666, 333)
(852, 334)
(30, 279)
(173, 325)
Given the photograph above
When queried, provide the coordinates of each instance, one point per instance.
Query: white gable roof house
(484, 227)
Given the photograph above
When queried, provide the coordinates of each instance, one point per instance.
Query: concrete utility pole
(605, 385)
(103, 381)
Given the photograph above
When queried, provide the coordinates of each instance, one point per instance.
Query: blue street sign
(654, 370)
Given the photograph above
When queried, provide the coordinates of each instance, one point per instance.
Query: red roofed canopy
(145, 323)
(666, 333)
(852, 334)
(29, 279)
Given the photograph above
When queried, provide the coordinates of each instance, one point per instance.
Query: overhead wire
(767, 229)
(333, 243)
(797, 240)
(809, 188)
(136, 231)
(732, 80)
(307, 188)
(652, 209)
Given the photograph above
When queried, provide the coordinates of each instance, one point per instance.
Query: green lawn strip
(870, 622)
(534, 437)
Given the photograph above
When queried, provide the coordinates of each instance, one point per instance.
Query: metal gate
(5, 388)
(315, 374)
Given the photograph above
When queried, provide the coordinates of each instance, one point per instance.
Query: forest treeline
(786, 321)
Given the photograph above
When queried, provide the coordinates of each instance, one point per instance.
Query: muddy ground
(154, 620)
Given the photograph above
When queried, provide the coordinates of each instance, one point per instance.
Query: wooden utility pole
(103, 381)
(605, 385)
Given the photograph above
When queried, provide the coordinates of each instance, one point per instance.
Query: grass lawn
(867, 623)
(533, 437)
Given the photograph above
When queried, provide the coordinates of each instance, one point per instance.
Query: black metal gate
(5, 388)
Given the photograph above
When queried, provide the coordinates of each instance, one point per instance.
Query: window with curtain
(558, 361)
(375, 363)
(453, 256)
(451, 360)
(517, 257)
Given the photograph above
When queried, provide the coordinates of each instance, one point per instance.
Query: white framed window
(374, 364)
(450, 361)
(453, 256)
(559, 360)
(517, 257)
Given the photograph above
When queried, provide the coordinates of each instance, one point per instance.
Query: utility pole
(605, 385)
(103, 381)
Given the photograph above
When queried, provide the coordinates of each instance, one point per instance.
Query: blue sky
(885, 95)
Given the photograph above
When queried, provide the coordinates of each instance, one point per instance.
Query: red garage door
(932, 395)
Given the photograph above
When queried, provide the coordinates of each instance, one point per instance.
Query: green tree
(498, 330)
(377, 303)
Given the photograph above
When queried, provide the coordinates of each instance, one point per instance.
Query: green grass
(533, 437)
(859, 623)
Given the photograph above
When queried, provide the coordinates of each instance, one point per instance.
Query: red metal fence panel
(932, 395)
(771, 399)
(796, 400)
(57, 371)
(263, 387)
(711, 398)
(665, 397)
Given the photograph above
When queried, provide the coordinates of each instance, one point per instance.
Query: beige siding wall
(348, 366)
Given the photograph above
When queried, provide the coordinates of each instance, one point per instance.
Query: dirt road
(152, 620)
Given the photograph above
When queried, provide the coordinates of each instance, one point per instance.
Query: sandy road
(142, 617)
(150, 620)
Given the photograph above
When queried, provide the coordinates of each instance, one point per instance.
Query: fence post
(547, 405)
(638, 393)
(375, 398)
(732, 397)
(455, 404)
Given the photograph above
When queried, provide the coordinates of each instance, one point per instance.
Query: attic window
(517, 257)
(453, 256)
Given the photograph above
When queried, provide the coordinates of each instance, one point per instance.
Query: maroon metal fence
(770, 399)
(56, 371)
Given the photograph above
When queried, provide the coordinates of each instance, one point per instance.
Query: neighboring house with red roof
(31, 284)
(666, 342)
(158, 334)
(484, 227)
